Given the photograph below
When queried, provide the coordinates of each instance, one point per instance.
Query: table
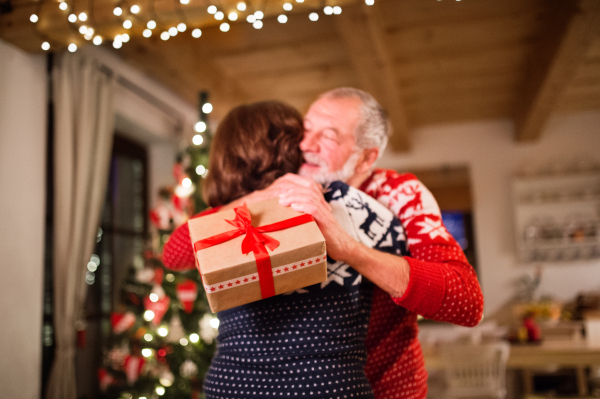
(577, 354)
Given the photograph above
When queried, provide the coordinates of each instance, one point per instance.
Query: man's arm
(442, 286)
(389, 272)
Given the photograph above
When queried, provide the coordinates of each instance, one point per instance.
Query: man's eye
(330, 136)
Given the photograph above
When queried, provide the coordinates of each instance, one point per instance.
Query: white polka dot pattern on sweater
(310, 343)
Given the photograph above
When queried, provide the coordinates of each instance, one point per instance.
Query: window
(120, 244)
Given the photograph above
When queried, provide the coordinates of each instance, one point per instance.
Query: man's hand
(304, 195)
(390, 272)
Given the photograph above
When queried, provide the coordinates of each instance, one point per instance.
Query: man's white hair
(374, 127)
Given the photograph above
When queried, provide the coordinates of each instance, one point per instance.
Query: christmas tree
(163, 334)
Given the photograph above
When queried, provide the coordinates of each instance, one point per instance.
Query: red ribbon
(255, 241)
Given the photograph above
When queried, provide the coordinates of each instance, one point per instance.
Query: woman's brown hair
(253, 145)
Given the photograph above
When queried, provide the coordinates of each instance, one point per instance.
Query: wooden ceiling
(426, 61)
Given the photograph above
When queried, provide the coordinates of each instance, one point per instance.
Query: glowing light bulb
(117, 44)
(124, 37)
(184, 1)
(72, 18)
(146, 352)
(151, 24)
(369, 2)
(83, 29)
(224, 27)
(200, 127)
(127, 24)
(148, 337)
(162, 331)
(186, 182)
(282, 19)
(200, 170)
(328, 10)
(153, 297)
(97, 40)
(165, 36)
(232, 16)
(214, 323)
(45, 46)
(118, 11)
(299, 1)
(219, 15)
(82, 16)
(170, 277)
(160, 391)
(173, 31)
(181, 27)
(287, 6)
(313, 16)
(211, 9)
(257, 24)
(207, 108)
(251, 19)
(197, 140)
(134, 9)
(337, 10)
(241, 6)
(148, 315)
(63, 6)
(72, 47)
(147, 33)
(196, 33)
(259, 15)
(34, 18)
(183, 341)
(194, 338)
(89, 34)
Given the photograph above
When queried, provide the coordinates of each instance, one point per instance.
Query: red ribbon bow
(255, 241)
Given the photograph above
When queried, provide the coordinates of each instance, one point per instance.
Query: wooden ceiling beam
(363, 37)
(556, 62)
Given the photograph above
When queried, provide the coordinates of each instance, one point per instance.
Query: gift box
(255, 252)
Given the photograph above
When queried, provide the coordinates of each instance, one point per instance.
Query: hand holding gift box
(270, 250)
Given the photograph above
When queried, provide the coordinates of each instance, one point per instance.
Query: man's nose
(310, 142)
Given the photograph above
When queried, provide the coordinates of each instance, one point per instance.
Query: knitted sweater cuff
(426, 288)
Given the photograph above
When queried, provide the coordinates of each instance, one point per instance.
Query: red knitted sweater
(442, 286)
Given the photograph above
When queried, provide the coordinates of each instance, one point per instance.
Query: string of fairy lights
(129, 14)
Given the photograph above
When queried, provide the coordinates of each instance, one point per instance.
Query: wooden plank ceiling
(426, 61)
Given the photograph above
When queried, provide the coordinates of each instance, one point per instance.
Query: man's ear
(366, 160)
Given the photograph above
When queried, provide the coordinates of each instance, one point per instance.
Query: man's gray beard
(326, 177)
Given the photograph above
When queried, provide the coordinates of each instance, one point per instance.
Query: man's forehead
(335, 111)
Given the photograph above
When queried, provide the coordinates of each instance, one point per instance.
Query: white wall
(146, 123)
(494, 159)
(22, 194)
(22, 207)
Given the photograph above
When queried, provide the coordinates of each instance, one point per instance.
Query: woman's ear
(366, 160)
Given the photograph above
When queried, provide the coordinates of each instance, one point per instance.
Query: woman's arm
(178, 253)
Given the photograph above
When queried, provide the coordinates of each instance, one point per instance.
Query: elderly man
(346, 131)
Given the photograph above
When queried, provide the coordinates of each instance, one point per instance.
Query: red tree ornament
(159, 308)
(187, 292)
(133, 368)
(122, 322)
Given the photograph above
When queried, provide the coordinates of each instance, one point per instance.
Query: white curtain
(83, 134)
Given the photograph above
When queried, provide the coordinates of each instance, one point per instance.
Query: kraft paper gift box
(283, 250)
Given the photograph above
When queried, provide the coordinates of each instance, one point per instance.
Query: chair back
(475, 370)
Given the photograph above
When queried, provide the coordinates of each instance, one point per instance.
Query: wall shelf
(557, 218)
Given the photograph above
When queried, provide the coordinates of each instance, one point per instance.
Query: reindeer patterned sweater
(442, 286)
